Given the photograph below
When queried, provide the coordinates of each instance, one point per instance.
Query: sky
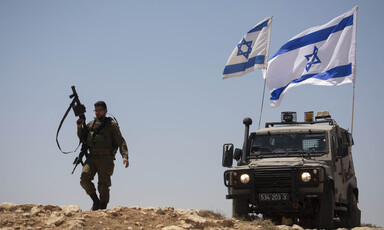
(158, 66)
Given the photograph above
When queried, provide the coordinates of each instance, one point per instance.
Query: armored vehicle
(298, 171)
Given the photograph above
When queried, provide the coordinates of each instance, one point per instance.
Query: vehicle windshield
(292, 144)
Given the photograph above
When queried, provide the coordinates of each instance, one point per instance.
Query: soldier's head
(100, 109)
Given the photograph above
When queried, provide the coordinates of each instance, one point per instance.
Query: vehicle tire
(240, 208)
(326, 212)
(353, 218)
(274, 219)
(307, 222)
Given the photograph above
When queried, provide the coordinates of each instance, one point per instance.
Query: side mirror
(238, 153)
(227, 155)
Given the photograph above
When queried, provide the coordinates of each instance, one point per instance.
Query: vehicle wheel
(354, 214)
(326, 211)
(240, 208)
(274, 218)
(307, 222)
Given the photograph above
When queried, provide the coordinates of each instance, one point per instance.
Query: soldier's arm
(80, 132)
(119, 140)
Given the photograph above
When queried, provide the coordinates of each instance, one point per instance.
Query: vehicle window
(289, 143)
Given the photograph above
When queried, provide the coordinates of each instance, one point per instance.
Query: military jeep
(297, 171)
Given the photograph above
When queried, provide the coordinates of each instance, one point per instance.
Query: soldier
(104, 138)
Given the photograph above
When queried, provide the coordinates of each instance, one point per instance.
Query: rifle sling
(58, 130)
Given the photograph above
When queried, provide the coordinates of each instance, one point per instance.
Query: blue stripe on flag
(240, 67)
(339, 71)
(314, 37)
(259, 27)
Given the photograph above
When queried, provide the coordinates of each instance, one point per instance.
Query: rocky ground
(31, 216)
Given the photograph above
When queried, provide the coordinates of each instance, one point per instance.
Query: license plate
(273, 196)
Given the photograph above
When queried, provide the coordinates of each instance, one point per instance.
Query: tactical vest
(100, 140)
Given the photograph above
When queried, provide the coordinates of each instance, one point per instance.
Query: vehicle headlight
(244, 178)
(305, 176)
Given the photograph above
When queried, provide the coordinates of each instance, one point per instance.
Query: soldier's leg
(87, 175)
(105, 170)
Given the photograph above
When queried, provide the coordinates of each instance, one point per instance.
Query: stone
(69, 210)
(55, 219)
(295, 226)
(77, 224)
(35, 211)
(169, 209)
(19, 211)
(186, 226)
(195, 218)
(160, 226)
(172, 227)
(6, 206)
(120, 209)
(283, 227)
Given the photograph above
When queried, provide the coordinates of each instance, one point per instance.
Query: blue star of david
(249, 49)
(315, 59)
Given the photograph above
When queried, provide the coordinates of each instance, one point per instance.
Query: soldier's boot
(103, 205)
(96, 202)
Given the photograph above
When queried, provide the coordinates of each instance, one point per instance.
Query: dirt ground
(32, 216)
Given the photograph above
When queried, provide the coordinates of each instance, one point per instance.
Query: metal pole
(262, 101)
(265, 72)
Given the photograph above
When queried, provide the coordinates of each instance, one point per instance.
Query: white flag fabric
(252, 51)
(322, 55)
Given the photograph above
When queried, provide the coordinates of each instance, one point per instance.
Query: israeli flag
(252, 51)
(322, 55)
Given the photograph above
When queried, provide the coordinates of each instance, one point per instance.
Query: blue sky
(158, 65)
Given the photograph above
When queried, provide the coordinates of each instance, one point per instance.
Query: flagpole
(262, 101)
(265, 71)
(354, 74)
(353, 108)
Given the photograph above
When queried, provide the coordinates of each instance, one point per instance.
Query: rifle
(79, 110)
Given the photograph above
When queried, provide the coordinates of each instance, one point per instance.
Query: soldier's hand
(125, 162)
(80, 122)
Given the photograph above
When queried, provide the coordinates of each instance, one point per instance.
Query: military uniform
(103, 140)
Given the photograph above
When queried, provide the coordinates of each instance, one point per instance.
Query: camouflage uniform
(103, 139)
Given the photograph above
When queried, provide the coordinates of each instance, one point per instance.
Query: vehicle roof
(296, 128)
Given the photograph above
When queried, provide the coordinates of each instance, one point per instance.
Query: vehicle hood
(285, 161)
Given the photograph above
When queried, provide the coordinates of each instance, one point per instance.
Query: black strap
(58, 130)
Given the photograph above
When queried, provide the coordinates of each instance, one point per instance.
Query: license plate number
(273, 196)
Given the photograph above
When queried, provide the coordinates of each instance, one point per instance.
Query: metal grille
(273, 177)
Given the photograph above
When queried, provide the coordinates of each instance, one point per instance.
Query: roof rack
(272, 124)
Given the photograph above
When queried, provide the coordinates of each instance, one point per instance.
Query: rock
(26, 215)
(295, 226)
(186, 226)
(172, 227)
(55, 219)
(159, 211)
(6, 206)
(137, 224)
(69, 210)
(169, 209)
(283, 227)
(76, 224)
(195, 218)
(120, 209)
(35, 211)
(130, 228)
(52, 208)
(160, 226)
(136, 208)
(156, 210)
(19, 211)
